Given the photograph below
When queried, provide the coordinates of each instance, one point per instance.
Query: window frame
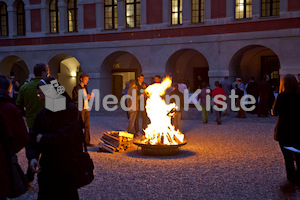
(57, 16)
(75, 22)
(271, 8)
(178, 12)
(22, 14)
(245, 10)
(135, 2)
(113, 18)
(201, 11)
(6, 17)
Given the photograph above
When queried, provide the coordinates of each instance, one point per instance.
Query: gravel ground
(236, 160)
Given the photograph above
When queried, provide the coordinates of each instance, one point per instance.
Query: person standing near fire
(177, 117)
(85, 114)
(140, 91)
(133, 104)
(29, 104)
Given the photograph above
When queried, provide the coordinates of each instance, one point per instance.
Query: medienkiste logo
(54, 101)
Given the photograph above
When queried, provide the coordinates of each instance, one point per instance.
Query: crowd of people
(53, 138)
(264, 93)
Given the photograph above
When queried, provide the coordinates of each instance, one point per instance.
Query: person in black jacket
(287, 131)
(57, 137)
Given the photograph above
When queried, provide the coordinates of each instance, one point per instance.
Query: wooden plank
(109, 143)
(126, 134)
(107, 147)
(113, 137)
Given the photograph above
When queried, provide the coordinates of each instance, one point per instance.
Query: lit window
(21, 19)
(176, 12)
(133, 13)
(54, 17)
(72, 16)
(269, 8)
(243, 9)
(3, 20)
(197, 11)
(111, 14)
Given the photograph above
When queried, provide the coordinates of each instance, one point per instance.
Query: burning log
(116, 141)
(176, 139)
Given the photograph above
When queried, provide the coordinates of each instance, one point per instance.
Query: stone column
(207, 10)
(100, 15)
(186, 12)
(143, 13)
(27, 19)
(12, 21)
(255, 9)
(167, 12)
(45, 24)
(80, 4)
(121, 15)
(63, 16)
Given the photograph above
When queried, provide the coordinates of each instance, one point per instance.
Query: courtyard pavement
(236, 160)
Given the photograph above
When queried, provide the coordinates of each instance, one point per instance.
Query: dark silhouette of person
(264, 90)
(13, 128)
(252, 89)
(57, 137)
(287, 130)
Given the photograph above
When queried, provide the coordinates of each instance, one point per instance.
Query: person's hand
(92, 95)
(35, 166)
(38, 138)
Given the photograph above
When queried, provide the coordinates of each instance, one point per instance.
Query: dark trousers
(176, 120)
(241, 112)
(263, 107)
(132, 122)
(219, 114)
(292, 172)
(144, 120)
(85, 115)
(29, 174)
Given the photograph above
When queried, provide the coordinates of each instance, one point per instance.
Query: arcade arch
(14, 66)
(188, 66)
(66, 69)
(256, 61)
(116, 69)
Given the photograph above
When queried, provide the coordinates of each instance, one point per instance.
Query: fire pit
(158, 150)
(161, 137)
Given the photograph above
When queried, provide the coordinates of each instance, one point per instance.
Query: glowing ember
(160, 130)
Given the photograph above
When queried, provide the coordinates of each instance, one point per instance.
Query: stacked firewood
(116, 141)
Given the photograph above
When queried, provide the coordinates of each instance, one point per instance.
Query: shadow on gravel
(182, 154)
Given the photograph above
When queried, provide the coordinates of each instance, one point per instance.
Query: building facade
(113, 41)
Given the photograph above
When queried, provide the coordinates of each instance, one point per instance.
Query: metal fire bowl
(158, 150)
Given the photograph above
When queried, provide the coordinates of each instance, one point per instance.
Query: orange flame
(160, 130)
